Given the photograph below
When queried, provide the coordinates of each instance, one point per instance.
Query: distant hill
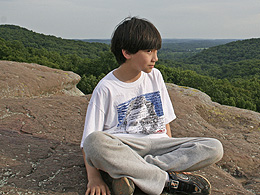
(106, 41)
(230, 52)
(232, 60)
(192, 44)
(51, 43)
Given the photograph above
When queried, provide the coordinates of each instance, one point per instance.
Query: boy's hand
(96, 186)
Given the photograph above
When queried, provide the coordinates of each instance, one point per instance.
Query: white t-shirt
(138, 109)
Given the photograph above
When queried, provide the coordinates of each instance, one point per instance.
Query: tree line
(234, 83)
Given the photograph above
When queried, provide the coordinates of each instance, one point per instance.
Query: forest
(227, 70)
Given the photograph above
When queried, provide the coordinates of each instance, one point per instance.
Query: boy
(127, 132)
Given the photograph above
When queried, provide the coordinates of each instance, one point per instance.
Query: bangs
(143, 36)
(150, 41)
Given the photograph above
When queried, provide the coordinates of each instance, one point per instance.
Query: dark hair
(134, 34)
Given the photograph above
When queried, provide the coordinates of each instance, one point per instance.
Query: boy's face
(144, 60)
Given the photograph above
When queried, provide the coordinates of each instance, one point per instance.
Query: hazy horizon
(175, 19)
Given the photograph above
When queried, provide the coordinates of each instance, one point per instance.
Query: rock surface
(41, 126)
(32, 80)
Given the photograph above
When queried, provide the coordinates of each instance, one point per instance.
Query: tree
(87, 84)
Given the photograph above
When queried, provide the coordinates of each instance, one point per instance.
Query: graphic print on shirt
(141, 115)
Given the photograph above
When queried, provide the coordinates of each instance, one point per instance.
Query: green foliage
(177, 49)
(238, 92)
(51, 43)
(232, 60)
(229, 74)
(230, 52)
(87, 84)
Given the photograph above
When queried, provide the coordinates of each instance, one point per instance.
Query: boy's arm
(168, 129)
(96, 185)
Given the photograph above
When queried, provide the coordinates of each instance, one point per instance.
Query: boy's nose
(155, 57)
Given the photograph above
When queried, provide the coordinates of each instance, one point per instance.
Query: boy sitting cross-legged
(127, 132)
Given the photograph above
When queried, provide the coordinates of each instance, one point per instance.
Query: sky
(96, 19)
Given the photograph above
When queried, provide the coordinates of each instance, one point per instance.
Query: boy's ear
(126, 54)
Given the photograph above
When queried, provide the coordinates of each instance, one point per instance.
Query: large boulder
(41, 129)
(33, 80)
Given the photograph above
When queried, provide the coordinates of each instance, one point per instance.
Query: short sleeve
(94, 120)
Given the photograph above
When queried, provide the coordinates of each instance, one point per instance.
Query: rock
(39, 165)
(237, 129)
(41, 128)
(32, 80)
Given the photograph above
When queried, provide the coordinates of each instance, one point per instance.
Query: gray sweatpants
(145, 161)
